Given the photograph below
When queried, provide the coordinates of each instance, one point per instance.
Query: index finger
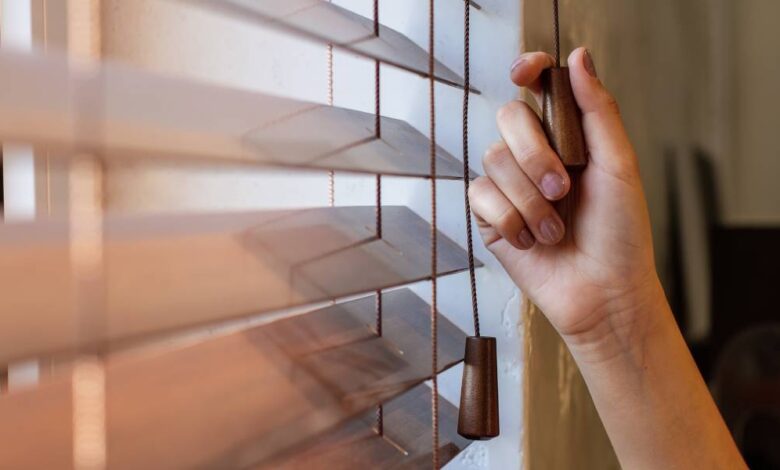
(527, 69)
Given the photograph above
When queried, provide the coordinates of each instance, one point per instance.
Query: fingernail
(553, 185)
(551, 229)
(516, 64)
(587, 62)
(526, 239)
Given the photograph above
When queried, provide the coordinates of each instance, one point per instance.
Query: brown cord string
(330, 74)
(331, 173)
(378, 212)
(376, 18)
(378, 135)
(556, 34)
(466, 180)
(380, 419)
(434, 247)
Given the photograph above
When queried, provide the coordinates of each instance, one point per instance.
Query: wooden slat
(166, 272)
(243, 398)
(328, 23)
(116, 111)
(406, 442)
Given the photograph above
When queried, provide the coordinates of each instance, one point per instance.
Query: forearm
(654, 403)
(599, 287)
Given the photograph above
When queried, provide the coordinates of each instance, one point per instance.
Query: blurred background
(697, 82)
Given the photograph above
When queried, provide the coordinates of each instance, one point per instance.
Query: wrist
(626, 322)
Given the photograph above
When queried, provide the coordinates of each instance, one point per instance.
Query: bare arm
(654, 404)
(599, 286)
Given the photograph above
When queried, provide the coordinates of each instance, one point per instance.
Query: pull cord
(466, 176)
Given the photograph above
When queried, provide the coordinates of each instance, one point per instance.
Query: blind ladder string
(434, 247)
(378, 200)
(331, 173)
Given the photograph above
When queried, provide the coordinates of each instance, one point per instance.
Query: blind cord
(434, 244)
(331, 173)
(466, 180)
(556, 34)
(380, 429)
(378, 135)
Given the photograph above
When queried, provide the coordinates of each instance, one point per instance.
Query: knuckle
(611, 104)
(495, 157)
(478, 187)
(533, 202)
(509, 221)
(532, 152)
(496, 146)
(627, 172)
(508, 111)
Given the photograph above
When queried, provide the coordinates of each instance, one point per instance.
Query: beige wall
(562, 428)
(756, 159)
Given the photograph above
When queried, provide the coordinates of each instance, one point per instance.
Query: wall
(756, 95)
(563, 429)
(176, 39)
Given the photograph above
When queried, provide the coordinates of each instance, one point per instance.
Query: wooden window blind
(339, 384)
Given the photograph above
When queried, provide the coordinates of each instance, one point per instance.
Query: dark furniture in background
(740, 358)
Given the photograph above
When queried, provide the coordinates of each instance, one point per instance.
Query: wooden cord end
(478, 414)
(562, 119)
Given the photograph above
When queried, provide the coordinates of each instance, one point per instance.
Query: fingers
(527, 68)
(539, 215)
(605, 135)
(494, 212)
(521, 130)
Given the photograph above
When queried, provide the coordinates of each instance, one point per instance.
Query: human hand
(592, 281)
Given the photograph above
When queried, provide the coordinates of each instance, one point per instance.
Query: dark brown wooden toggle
(562, 119)
(478, 416)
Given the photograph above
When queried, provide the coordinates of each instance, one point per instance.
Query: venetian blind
(337, 386)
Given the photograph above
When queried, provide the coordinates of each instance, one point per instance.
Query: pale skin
(598, 286)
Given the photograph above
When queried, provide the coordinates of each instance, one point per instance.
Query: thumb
(605, 135)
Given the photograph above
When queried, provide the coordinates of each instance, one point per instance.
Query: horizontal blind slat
(328, 23)
(119, 112)
(239, 399)
(406, 442)
(166, 272)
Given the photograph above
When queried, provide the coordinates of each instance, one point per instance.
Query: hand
(598, 284)
(592, 281)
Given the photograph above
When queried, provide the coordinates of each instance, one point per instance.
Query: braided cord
(434, 244)
(556, 34)
(466, 177)
(378, 198)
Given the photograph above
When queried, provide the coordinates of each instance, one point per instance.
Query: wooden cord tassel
(562, 120)
(478, 414)
(562, 123)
